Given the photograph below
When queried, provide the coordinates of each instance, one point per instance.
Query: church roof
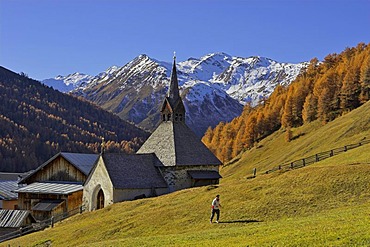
(175, 144)
(201, 174)
(130, 171)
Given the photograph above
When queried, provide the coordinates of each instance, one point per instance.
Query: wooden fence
(317, 157)
(41, 225)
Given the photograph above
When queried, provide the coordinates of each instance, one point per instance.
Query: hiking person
(215, 208)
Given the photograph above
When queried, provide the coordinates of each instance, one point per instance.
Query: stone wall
(177, 177)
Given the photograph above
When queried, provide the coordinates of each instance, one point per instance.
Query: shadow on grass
(238, 221)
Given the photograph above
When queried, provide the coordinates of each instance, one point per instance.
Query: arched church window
(180, 117)
(164, 117)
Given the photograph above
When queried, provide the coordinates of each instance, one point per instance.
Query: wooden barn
(56, 186)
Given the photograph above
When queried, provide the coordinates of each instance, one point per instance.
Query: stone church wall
(177, 177)
(99, 179)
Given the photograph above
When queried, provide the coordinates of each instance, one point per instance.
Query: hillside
(37, 122)
(216, 84)
(322, 204)
(324, 91)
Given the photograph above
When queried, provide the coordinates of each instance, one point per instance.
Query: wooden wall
(74, 200)
(57, 170)
(9, 204)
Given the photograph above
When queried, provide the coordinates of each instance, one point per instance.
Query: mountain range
(216, 85)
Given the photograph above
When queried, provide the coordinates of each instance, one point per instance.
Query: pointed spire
(173, 108)
(173, 90)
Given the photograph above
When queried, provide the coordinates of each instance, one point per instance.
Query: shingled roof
(130, 171)
(175, 144)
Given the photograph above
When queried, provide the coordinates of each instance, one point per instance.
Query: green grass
(324, 204)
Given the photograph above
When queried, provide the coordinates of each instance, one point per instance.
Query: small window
(164, 117)
(180, 117)
(169, 117)
(176, 117)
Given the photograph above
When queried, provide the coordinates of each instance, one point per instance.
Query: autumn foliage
(36, 122)
(324, 91)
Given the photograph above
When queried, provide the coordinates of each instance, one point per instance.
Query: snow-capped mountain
(77, 80)
(214, 87)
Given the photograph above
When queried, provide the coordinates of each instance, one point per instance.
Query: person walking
(215, 209)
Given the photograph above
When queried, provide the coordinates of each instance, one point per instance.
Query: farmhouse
(173, 158)
(56, 186)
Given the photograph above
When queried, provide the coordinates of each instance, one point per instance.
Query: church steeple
(173, 90)
(173, 108)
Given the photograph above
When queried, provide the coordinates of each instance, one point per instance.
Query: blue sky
(45, 38)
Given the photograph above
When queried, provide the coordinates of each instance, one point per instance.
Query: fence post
(304, 162)
(292, 165)
(345, 148)
(254, 172)
(279, 167)
(317, 157)
(331, 153)
(52, 221)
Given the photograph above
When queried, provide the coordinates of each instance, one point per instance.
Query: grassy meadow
(324, 204)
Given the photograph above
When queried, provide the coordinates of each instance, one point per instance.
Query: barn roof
(14, 218)
(175, 144)
(6, 190)
(83, 162)
(47, 205)
(59, 188)
(12, 176)
(130, 171)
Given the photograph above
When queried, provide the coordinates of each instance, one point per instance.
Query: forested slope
(324, 91)
(37, 122)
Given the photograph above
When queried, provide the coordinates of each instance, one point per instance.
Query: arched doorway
(100, 199)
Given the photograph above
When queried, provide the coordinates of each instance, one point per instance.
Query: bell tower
(173, 108)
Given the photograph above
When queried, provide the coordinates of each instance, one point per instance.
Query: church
(172, 158)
